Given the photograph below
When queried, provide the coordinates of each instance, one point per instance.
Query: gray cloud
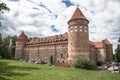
(36, 17)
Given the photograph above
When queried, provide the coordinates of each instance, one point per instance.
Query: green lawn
(15, 70)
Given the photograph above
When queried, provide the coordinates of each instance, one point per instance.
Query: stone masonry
(65, 48)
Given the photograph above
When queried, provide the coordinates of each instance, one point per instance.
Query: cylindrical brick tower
(20, 44)
(78, 37)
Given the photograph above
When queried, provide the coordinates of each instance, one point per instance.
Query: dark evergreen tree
(8, 47)
(117, 52)
(0, 45)
(12, 46)
(5, 47)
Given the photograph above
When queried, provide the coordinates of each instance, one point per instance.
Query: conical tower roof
(78, 15)
(22, 37)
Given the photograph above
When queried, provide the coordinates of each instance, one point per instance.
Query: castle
(65, 48)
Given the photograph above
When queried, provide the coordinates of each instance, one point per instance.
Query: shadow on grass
(8, 71)
(2, 78)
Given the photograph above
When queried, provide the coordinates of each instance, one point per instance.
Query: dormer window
(64, 39)
(59, 39)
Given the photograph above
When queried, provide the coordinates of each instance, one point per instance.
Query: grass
(15, 70)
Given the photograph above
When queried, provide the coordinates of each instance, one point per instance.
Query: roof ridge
(77, 15)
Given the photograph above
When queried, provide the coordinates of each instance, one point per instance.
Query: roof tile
(98, 44)
(22, 36)
(78, 15)
(106, 41)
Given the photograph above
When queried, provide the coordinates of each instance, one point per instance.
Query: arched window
(67, 55)
(61, 55)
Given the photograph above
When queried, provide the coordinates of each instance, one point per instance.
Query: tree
(12, 46)
(3, 7)
(117, 52)
(0, 45)
(8, 47)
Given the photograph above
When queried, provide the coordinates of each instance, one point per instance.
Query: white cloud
(36, 16)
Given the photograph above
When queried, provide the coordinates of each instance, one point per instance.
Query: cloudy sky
(40, 18)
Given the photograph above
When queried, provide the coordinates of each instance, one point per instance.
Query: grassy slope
(15, 70)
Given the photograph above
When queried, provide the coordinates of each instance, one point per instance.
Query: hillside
(16, 70)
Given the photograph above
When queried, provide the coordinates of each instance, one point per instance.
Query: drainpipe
(55, 54)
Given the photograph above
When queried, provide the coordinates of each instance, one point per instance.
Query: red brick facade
(67, 47)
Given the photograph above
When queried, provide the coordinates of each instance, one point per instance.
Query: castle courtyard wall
(44, 52)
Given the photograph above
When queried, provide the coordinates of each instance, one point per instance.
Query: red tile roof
(78, 15)
(98, 44)
(22, 37)
(50, 39)
(106, 41)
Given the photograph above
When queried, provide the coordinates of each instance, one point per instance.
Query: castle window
(71, 27)
(67, 55)
(61, 55)
(71, 31)
(85, 27)
(82, 21)
(85, 30)
(76, 30)
(57, 60)
(80, 30)
(75, 26)
(80, 26)
(64, 39)
(59, 39)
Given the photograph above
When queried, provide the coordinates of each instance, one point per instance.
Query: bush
(100, 63)
(85, 64)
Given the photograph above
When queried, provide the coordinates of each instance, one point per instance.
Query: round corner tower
(78, 37)
(20, 44)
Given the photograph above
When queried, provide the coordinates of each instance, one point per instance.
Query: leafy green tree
(5, 47)
(12, 46)
(3, 8)
(117, 52)
(8, 47)
(0, 45)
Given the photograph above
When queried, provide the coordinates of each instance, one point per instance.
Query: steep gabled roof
(106, 41)
(98, 44)
(22, 37)
(77, 15)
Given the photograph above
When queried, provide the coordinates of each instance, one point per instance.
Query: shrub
(85, 64)
(100, 63)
